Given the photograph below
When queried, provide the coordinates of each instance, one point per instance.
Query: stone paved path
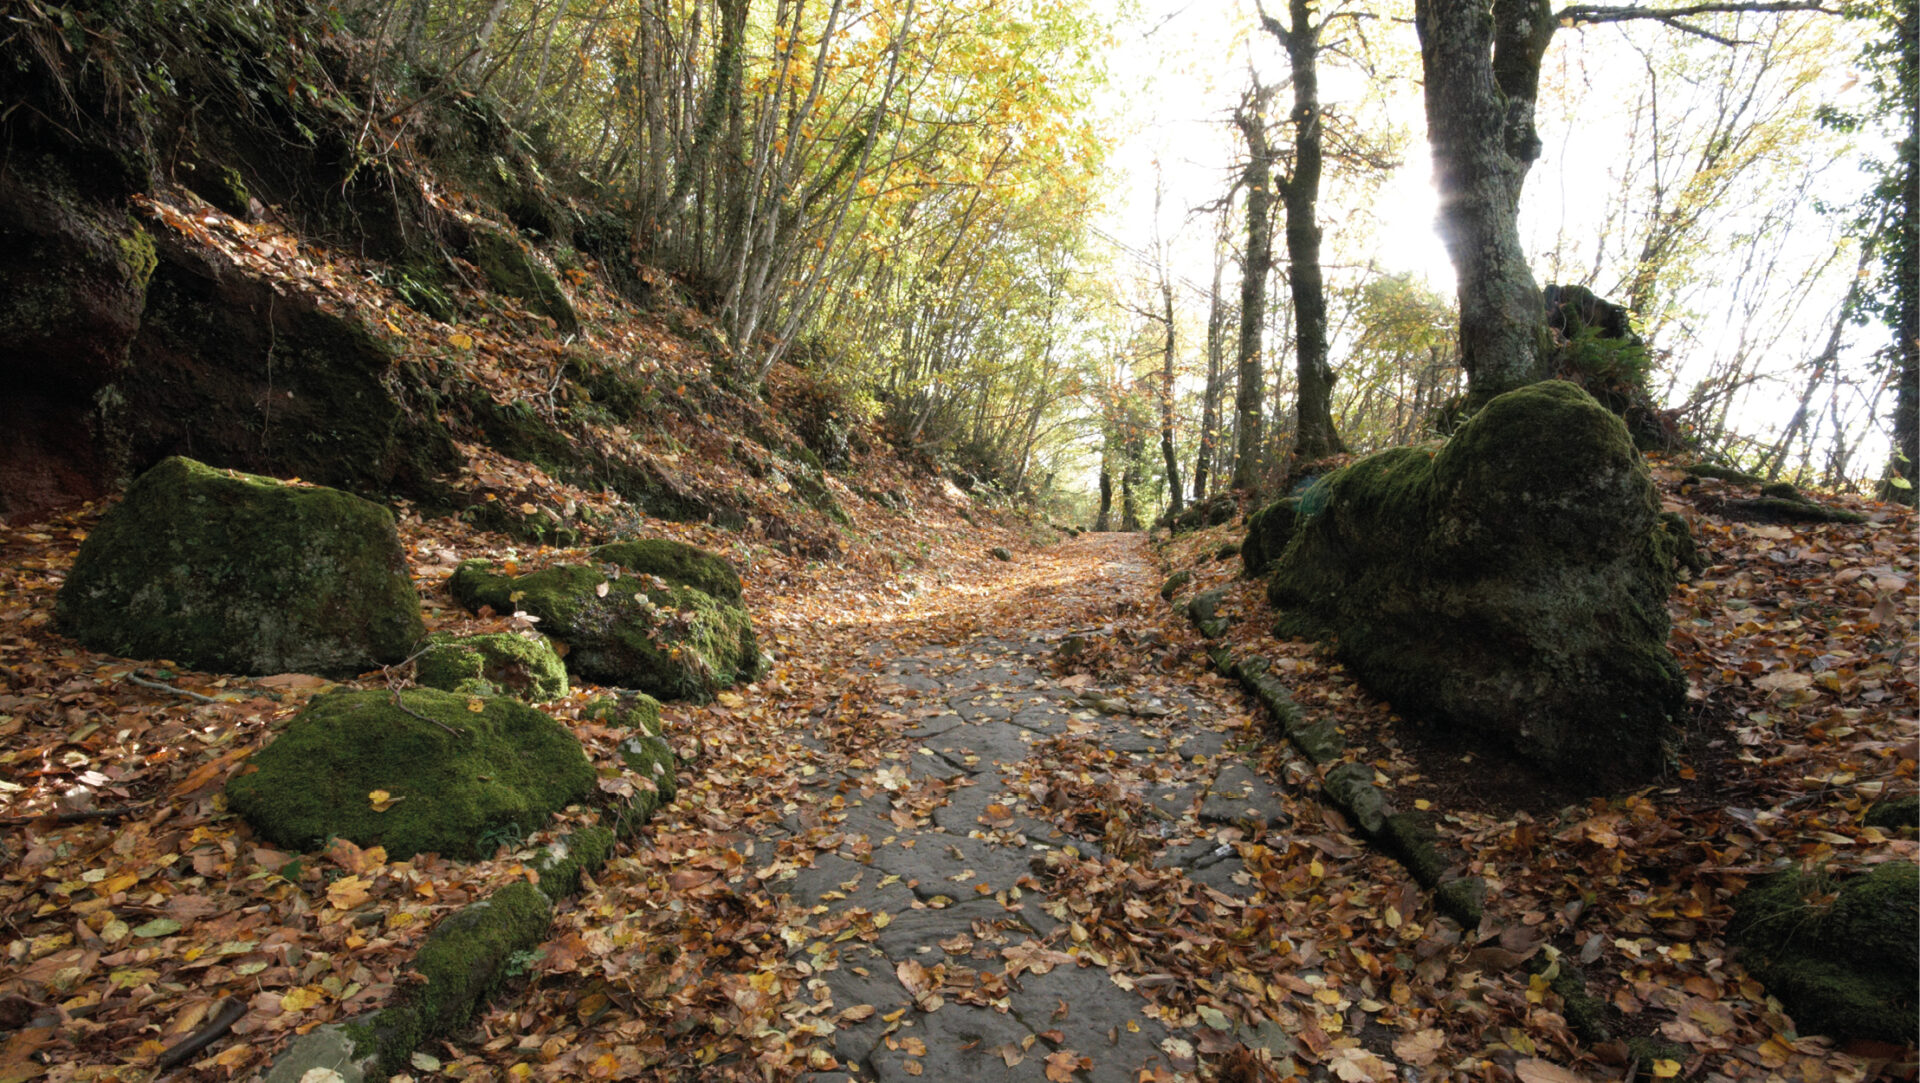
(925, 891)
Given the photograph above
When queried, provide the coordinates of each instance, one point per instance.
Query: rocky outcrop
(234, 573)
(73, 285)
(414, 772)
(1512, 583)
(647, 616)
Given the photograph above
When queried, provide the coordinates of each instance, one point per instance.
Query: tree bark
(1315, 436)
(1482, 70)
(1210, 397)
(1258, 178)
(1905, 359)
(1104, 521)
(1167, 453)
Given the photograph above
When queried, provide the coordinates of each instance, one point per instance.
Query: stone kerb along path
(935, 932)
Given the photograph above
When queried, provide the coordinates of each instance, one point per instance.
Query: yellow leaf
(1665, 1069)
(381, 800)
(461, 340)
(476, 704)
(347, 892)
(302, 999)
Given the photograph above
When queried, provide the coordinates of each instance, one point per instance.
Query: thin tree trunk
(1210, 397)
(1167, 452)
(1315, 436)
(1248, 402)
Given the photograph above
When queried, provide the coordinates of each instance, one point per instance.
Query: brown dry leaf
(1536, 1070)
(1421, 1047)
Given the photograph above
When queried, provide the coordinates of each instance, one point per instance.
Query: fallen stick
(77, 815)
(164, 687)
(225, 1015)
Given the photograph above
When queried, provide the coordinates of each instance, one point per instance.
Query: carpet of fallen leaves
(131, 903)
(1800, 651)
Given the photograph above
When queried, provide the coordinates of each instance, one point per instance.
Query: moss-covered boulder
(1840, 955)
(1512, 582)
(625, 628)
(630, 711)
(510, 270)
(497, 663)
(458, 780)
(676, 562)
(1268, 532)
(235, 573)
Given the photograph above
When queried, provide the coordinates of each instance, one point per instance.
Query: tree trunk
(1210, 397)
(1129, 504)
(1314, 436)
(1482, 72)
(1167, 452)
(1905, 359)
(1104, 521)
(1248, 406)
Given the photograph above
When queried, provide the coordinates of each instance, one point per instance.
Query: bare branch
(1594, 13)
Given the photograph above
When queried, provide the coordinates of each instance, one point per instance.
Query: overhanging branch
(1595, 13)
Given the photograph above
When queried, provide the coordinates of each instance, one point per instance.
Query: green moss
(1268, 532)
(457, 776)
(138, 255)
(1674, 545)
(652, 762)
(812, 487)
(1463, 899)
(677, 643)
(1350, 785)
(1844, 968)
(1412, 840)
(461, 962)
(633, 710)
(1725, 473)
(561, 864)
(235, 573)
(1509, 582)
(510, 270)
(523, 666)
(1174, 582)
(676, 562)
(1895, 813)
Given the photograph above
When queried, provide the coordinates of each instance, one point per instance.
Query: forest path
(983, 820)
(939, 927)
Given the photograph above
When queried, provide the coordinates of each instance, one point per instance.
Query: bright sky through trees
(1751, 290)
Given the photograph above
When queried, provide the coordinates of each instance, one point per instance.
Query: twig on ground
(162, 686)
(225, 1015)
(76, 815)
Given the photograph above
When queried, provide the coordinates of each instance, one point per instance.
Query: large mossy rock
(460, 781)
(655, 628)
(496, 663)
(676, 562)
(1268, 532)
(235, 573)
(1844, 967)
(1512, 583)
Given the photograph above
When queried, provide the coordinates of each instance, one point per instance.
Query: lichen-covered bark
(234, 573)
(1248, 401)
(1511, 583)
